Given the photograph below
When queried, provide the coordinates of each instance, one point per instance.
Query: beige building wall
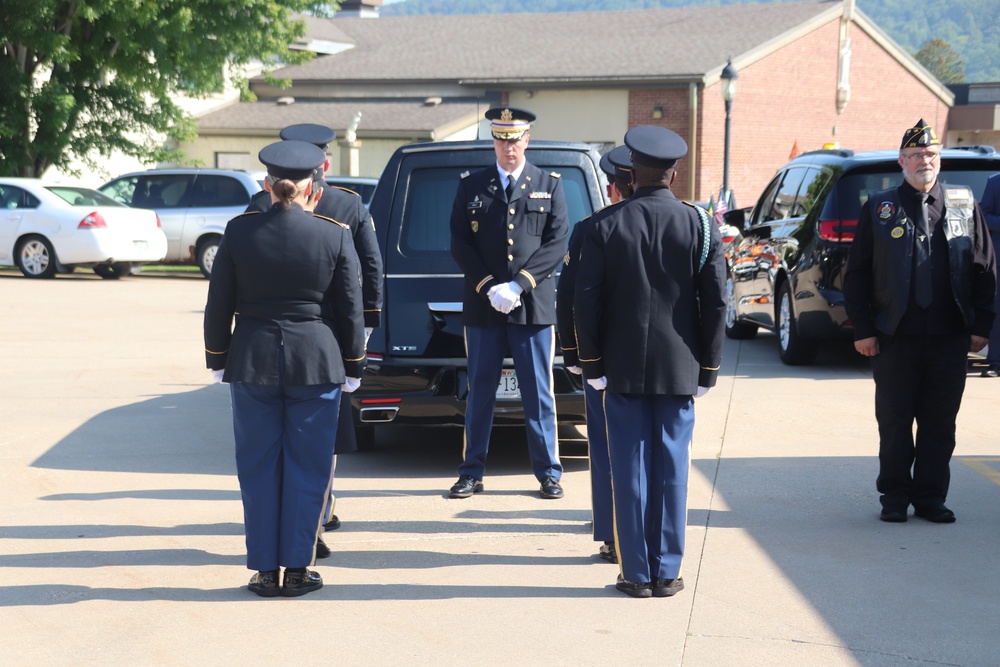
(590, 116)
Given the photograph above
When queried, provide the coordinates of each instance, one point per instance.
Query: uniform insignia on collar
(539, 195)
(896, 232)
(555, 174)
(886, 210)
(464, 174)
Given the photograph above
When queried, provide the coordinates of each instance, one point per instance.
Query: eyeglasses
(930, 156)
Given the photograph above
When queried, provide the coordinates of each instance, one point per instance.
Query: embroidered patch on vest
(886, 210)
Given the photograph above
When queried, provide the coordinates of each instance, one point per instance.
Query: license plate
(139, 245)
(508, 387)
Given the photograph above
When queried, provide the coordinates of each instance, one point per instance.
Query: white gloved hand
(575, 370)
(505, 297)
(217, 375)
(350, 385)
(368, 334)
(701, 392)
(600, 384)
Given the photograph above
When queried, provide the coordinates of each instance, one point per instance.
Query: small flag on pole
(711, 206)
(721, 207)
(795, 150)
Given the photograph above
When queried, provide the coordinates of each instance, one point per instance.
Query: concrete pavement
(121, 530)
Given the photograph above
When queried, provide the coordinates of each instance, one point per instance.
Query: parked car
(363, 186)
(194, 206)
(786, 273)
(417, 366)
(45, 229)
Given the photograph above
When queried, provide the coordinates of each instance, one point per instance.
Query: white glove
(217, 375)
(505, 297)
(350, 385)
(575, 370)
(600, 384)
(368, 334)
(701, 392)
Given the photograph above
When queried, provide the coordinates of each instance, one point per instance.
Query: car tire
(205, 254)
(113, 271)
(793, 348)
(735, 329)
(35, 257)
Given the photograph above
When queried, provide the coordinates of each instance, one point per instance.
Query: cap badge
(506, 115)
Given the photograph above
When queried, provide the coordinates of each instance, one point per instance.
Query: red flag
(795, 150)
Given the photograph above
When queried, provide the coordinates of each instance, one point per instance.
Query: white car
(49, 229)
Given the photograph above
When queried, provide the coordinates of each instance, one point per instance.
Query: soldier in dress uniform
(290, 279)
(919, 288)
(650, 316)
(508, 235)
(344, 206)
(617, 166)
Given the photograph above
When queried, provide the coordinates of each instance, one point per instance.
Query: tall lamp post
(728, 76)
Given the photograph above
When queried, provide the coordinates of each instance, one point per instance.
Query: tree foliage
(84, 78)
(942, 61)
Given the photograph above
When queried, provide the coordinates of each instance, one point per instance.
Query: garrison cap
(919, 135)
(317, 135)
(655, 146)
(508, 123)
(294, 160)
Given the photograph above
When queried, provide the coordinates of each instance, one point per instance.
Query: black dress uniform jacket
(566, 291)
(345, 206)
(646, 317)
(495, 242)
(291, 280)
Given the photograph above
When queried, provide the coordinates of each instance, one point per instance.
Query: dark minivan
(416, 360)
(787, 271)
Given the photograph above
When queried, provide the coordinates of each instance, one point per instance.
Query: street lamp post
(728, 76)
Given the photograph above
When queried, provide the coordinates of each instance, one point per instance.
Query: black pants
(917, 378)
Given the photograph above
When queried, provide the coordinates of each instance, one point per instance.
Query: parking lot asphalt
(121, 536)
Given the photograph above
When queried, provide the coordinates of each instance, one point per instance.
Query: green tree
(942, 61)
(84, 78)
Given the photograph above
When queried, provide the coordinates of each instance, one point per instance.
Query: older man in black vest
(919, 288)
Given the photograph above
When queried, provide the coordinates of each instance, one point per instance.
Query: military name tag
(540, 195)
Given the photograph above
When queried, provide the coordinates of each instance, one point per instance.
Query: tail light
(92, 221)
(159, 225)
(837, 231)
(374, 356)
(380, 401)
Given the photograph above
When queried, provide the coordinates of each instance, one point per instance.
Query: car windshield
(82, 196)
(855, 187)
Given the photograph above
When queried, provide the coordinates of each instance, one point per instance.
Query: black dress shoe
(935, 514)
(992, 372)
(332, 524)
(465, 487)
(550, 488)
(322, 551)
(892, 515)
(300, 583)
(664, 588)
(265, 584)
(607, 552)
(636, 590)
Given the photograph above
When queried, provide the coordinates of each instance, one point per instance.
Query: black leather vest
(893, 238)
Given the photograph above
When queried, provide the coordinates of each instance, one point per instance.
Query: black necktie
(922, 256)
(510, 186)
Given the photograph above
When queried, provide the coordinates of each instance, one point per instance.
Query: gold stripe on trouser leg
(614, 513)
(552, 391)
(465, 435)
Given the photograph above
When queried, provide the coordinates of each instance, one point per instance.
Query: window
(12, 197)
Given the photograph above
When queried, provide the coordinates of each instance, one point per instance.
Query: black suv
(417, 365)
(786, 273)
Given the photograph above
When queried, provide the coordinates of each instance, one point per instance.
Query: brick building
(810, 73)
